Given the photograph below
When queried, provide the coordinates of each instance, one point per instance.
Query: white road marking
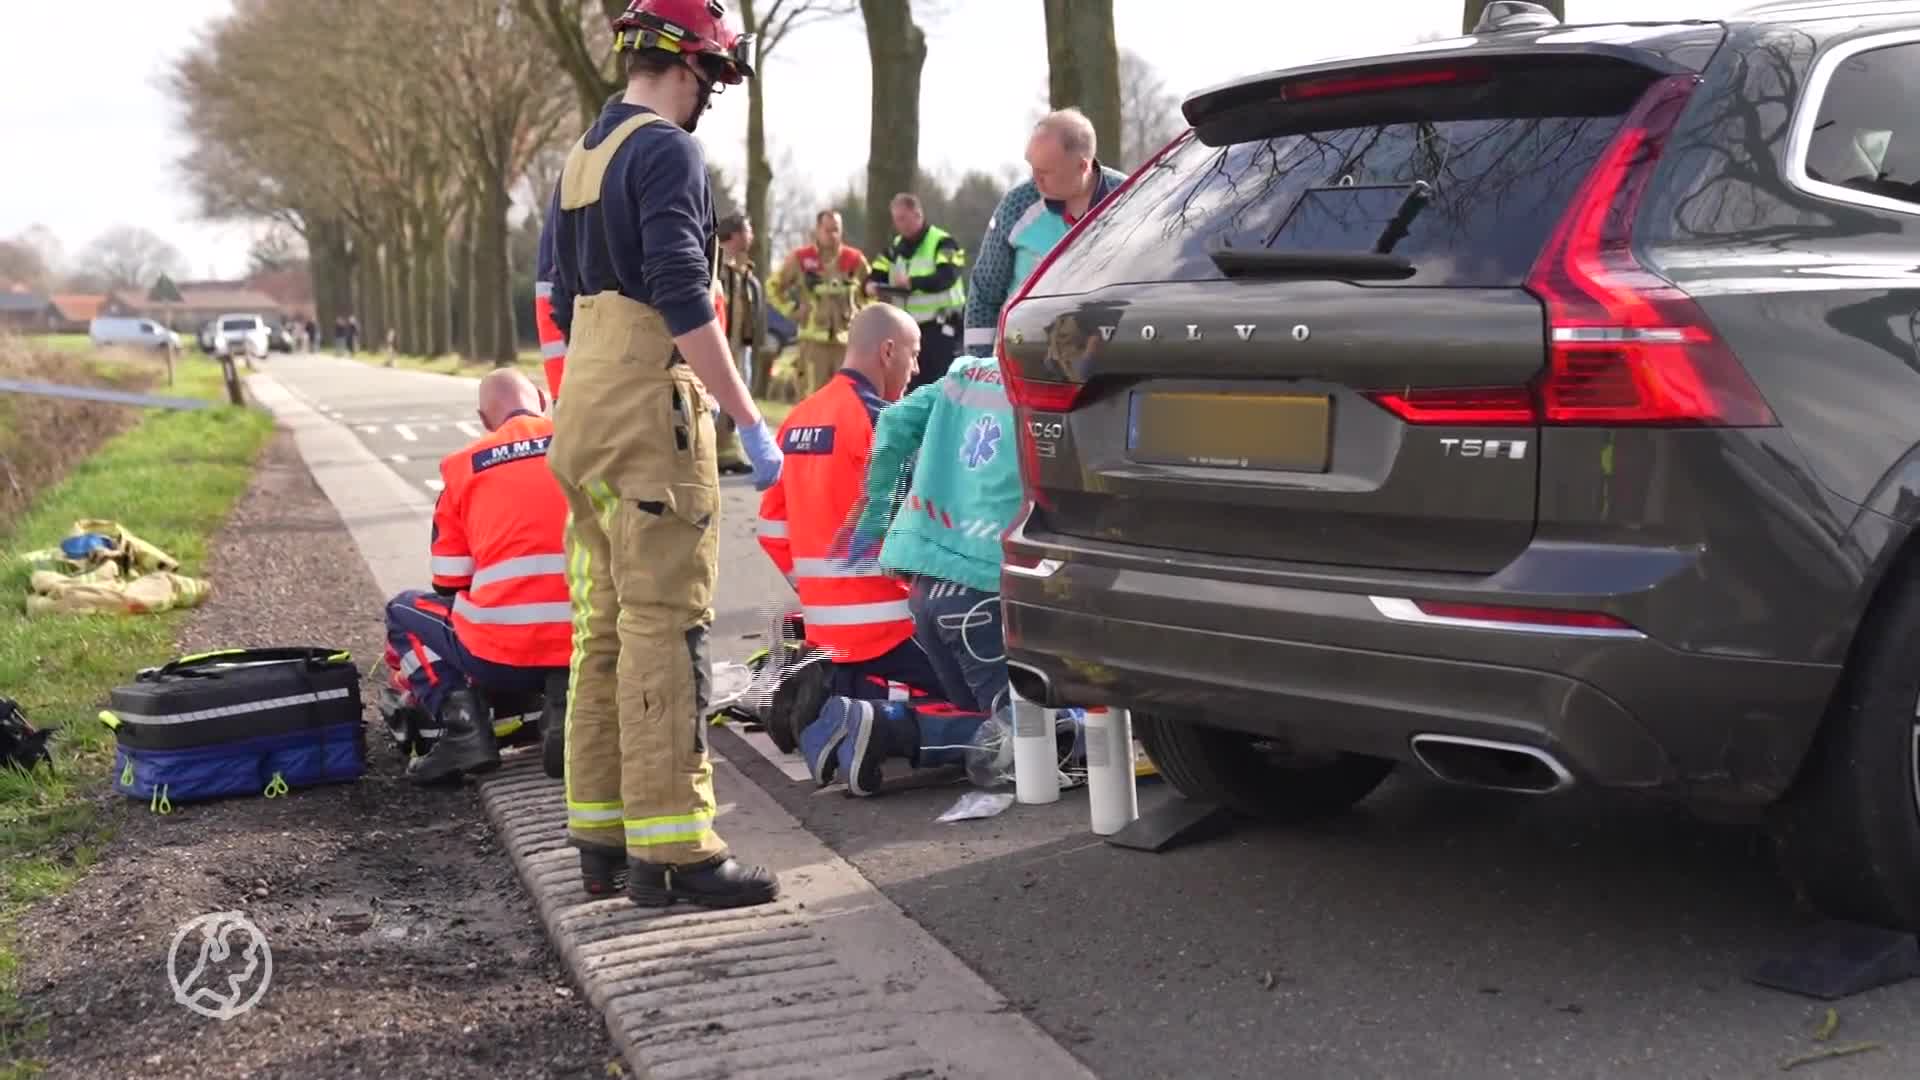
(432, 429)
(397, 459)
(369, 429)
(471, 429)
(406, 432)
(433, 485)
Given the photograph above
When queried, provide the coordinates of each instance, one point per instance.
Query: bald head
(503, 392)
(883, 343)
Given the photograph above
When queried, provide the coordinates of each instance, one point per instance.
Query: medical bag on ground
(237, 722)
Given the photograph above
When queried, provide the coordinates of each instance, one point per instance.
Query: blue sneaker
(861, 749)
(820, 739)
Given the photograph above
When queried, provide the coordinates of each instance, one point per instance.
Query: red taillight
(1332, 86)
(1625, 346)
(1495, 613)
(1469, 406)
(1043, 396)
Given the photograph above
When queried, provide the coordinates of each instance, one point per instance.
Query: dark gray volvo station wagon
(1538, 409)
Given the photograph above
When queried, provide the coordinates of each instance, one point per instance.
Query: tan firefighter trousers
(633, 448)
(816, 365)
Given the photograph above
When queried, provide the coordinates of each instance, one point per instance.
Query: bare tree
(1083, 64)
(577, 34)
(770, 22)
(1475, 8)
(128, 257)
(21, 265)
(1149, 112)
(897, 50)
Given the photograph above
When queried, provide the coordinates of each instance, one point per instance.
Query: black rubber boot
(553, 726)
(721, 882)
(603, 870)
(465, 745)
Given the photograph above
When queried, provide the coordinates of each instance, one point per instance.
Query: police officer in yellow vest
(819, 287)
(634, 451)
(922, 271)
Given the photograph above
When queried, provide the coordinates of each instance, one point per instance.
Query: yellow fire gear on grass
(633, 450)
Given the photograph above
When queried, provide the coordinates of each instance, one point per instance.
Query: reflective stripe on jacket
(936, 258)
(499, 539)
(855, 613)
(826, 294)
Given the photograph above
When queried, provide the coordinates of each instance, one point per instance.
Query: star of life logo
(981, 442)
(220, 965)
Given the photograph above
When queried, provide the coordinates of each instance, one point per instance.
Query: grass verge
(171, 479)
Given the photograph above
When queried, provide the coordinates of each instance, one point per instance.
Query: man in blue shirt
(634, 451)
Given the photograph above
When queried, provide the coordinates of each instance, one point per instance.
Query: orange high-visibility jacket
(499, 538)
(854, 613)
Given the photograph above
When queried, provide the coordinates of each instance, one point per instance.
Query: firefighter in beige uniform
(634, 451)
(819, 287)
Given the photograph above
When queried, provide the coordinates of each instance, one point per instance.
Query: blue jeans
(959, 628)
(906, 663)
(420, 628)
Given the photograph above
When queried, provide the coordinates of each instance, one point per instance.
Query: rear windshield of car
(1497, 187)
(238, 324)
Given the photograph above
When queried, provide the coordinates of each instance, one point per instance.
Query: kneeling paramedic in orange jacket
(855, 613)
(498, 616)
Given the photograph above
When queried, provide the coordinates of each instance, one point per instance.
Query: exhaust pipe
(1486, 763)
(1030, 683)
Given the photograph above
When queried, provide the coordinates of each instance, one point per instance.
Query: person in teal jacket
(943, 530)
(1068, 182)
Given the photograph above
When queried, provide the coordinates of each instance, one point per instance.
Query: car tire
(1227, 767)
(1847, 833)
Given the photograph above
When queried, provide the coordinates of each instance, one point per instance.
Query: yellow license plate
(1232, 431)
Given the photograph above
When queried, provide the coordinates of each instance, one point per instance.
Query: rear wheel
(1848, 833)
(1256, 777)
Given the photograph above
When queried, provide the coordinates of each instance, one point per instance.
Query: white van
(131, 332)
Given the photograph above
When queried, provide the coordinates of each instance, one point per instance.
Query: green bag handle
(202, 663)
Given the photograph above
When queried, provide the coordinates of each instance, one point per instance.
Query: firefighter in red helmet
(634, 450)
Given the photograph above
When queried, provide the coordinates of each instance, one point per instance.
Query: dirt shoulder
(402, 945)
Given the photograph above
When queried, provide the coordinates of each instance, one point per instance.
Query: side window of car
(1866, 135)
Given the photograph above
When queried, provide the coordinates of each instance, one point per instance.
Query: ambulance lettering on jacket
(808, 440)
(506, 453)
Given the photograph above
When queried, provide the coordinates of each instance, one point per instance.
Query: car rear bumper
(1340, 669)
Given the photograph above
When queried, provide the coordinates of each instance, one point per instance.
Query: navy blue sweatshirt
(649, 237)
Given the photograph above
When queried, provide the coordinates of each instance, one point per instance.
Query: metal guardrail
(94, 393)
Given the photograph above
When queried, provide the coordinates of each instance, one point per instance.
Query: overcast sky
(92, 134)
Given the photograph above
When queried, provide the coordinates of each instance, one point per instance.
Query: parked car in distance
(1539, 410)
(130, 332)
(205, 336)
(278, 339)
(241, 335)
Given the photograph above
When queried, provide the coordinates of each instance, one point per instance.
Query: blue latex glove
(858, 547)
(764, 452)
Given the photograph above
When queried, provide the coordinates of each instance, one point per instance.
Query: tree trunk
(898, 51)
(1475, 8)
(496, 274)
(370, 306)
(467, 329)
(1083, 65)
(420, 288)
(759, 172)
(439, 293)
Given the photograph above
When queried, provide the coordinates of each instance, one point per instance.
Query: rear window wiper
(1264, 262)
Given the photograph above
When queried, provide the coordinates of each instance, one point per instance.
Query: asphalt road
(1433, 932)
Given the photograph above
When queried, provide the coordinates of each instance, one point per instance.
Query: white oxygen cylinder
(1036, 758)
(1112, 799)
